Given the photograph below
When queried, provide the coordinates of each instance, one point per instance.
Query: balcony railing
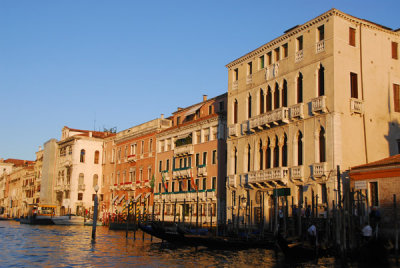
(299, 56)
(318, 105)
(235, 85)
(202, 171)
(232, 181)
(297, 172)
(233, 130)
(184, 150)
(356, 106)
(249, 79)
(81, 187)
(320, 46)
(297, 111)
(319, 169)
(272, 174)
(273, 117)
(181, 172)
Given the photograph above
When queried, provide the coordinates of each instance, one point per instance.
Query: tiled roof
(18, 162)
(392, 160)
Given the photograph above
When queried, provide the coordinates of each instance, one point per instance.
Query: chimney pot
(162, 116)
(204, 97)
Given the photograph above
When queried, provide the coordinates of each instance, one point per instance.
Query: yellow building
(322, 95)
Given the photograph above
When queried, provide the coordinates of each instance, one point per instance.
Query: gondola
(209, 241)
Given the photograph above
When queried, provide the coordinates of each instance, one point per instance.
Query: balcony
(319, 169)
(246, 127)
(233, 130)
(181, 172)
(131, 158)
(249, 79)
(280, 115)
(272, 174)
(299, 56)
(320, 46)
(184, 150)
(81, 187)
(297, 173)
(297, 111)
(202, 171)
(232, 181)
(318, 105)
(356, 106)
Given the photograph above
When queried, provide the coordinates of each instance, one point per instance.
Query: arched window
(235, 112)
(82, 156)
(235, 161)
(269, 99)
(268, 155)
(276, 152)
(248, 157)
(322, 153)
(96, 157)
(321, 81)
(284, 94)
(300, 88)
(260, 155)
(95, 180)
(261, 101)
(300, 149)
(276, 96)
(284, 152)
(249, 107)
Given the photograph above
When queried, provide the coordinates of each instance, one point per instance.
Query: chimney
(90, 134)
(162, 116)
(179, 108)
(204, 97)
(40, 148)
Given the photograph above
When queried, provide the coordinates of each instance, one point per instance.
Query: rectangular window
(373, 189)
(173, 187)
(180, 186)
(178, 120)
(197, 159)
(285, 50)
(299, 43)
(189, 161)
(210, 109)
(321, 33)
(80, 196)
(323, 193)
(142, 149)
(277, 54)
(204, 183)
(221, 106)
(354, 85)
(197, 184)
(395, 50)
(160, 167)
(236, 74)
(352, 37)
(214, 183)
(396, 96)
(204, 158)
(261, 61)
(214, 157)
(167, 165)
(198, 137)
(249, 68)
(269, 58)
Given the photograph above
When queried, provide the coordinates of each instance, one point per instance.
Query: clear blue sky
(122, 63)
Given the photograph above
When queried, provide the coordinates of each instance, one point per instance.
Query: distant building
(377, 183)
(191, 164)
(323, 94)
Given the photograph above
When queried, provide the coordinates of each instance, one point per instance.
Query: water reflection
(72, 246)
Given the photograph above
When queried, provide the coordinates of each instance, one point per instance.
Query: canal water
(24, 245)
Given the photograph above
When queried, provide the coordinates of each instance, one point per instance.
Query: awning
(115, 198)
(193, 109)
(120, 199)
(137, 197)
(147, 195)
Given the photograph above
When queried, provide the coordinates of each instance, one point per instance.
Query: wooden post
(276, 211)
(175, 211)
(338, 186)
(211, 229)
(285, 206)
(190, 217)
(396, 232)
(312, 204)
(201, 215)
(327, 228)
(197, 213)
(316, 206)
(263, 213)
(251, 214)
(183, 212)
(152, 218)
(163, 211)
(135, 221)
(127, 219)
(143, 215)
(238, 215)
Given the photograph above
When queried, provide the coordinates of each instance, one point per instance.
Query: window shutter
(394, 51)
(352, 37)
(353, 85)
(396, 95)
